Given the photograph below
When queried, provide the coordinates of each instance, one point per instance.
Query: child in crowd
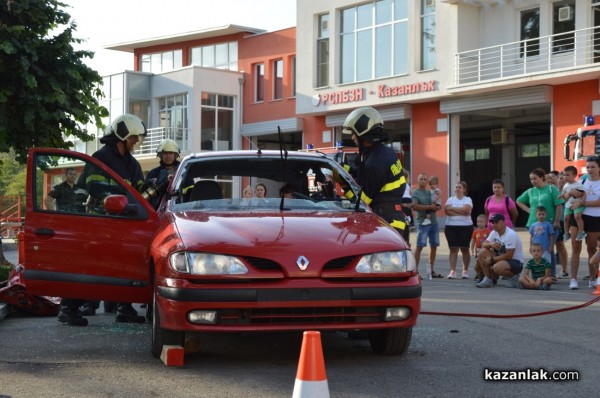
(247, 195)
(436, 198)
(538, 271)
(480, 234)
(248, 192)
(542, 232)
(576, 211)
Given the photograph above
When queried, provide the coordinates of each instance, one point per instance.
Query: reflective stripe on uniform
(398, 224)
(99, 178)
(365, 198)
(390, 186)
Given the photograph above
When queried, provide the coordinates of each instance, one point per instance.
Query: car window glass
(219, 184)
(74, 186)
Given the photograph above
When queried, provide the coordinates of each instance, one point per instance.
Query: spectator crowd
(561, 210)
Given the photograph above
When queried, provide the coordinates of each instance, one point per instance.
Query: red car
(211, 260)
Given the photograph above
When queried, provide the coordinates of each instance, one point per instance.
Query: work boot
(110, 307)
(88, 309)
(126, 313)
(71, 317)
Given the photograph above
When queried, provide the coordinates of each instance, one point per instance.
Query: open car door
(90, 241)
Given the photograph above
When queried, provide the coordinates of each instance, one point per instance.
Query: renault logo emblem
(302, 263)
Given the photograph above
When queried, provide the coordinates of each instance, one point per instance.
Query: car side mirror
(118, 204)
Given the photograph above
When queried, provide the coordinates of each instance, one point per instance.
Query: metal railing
(156, 135)
(10, 218)
(568, 50)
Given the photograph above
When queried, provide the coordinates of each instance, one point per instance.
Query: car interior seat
(206, 190)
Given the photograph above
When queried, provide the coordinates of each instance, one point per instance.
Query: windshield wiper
(357, 207)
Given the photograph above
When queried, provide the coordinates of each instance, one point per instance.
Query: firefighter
(159, 177)
(120, 139)
(379, 172)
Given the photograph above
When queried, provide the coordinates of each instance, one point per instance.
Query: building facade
(222, 88)
(477, 89)
(470, 90)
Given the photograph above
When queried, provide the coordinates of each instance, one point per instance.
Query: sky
(108, 22)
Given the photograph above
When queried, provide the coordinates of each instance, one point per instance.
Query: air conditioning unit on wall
(565, 14)
(499, 136)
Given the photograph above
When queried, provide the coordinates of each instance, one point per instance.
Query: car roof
(264, 164)
(254, 153)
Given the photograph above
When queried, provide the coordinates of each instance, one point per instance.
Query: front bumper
(279, 308)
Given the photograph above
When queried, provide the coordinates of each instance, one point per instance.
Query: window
(473, 154)
(530, 32)
(534, 150)
(58, 180)
(374, 40)
(222, 56)
(563, 22)
(323, 51)
(161, 62)
(259, 82)
(216, 129)
(427, 35)
(278, 79)
(293, 76)
(172, 116)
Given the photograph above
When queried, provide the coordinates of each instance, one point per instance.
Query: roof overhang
(188, 36)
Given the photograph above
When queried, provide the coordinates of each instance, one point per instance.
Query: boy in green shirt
(537, 273)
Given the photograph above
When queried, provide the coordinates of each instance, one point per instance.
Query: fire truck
(586, 143)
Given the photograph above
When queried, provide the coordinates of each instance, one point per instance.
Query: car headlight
(207, 264)
(387, 262)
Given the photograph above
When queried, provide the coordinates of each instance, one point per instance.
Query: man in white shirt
(501, 254)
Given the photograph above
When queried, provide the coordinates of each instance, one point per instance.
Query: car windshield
(261, 182)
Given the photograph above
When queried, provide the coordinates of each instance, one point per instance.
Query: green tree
(47, 93)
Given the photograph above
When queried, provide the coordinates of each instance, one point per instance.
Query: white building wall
(194, 80)
(307, 29)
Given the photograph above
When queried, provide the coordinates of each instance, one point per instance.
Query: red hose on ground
(531, 314)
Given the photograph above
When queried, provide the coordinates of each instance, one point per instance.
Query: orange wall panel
(429, 149)
(570, 103)
(313, 132)
(266, 48)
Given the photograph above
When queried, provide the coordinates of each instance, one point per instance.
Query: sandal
(436, 275)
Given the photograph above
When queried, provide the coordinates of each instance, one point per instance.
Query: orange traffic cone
(311, 380)
(597, 291)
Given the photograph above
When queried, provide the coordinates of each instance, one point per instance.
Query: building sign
(339, 97)
(383, 91)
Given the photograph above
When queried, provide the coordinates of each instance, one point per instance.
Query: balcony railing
(564, 51)
(156, 135)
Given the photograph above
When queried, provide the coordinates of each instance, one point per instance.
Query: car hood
(284, 236)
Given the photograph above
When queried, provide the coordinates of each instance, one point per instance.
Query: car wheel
(390, 341)
(160, 336)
